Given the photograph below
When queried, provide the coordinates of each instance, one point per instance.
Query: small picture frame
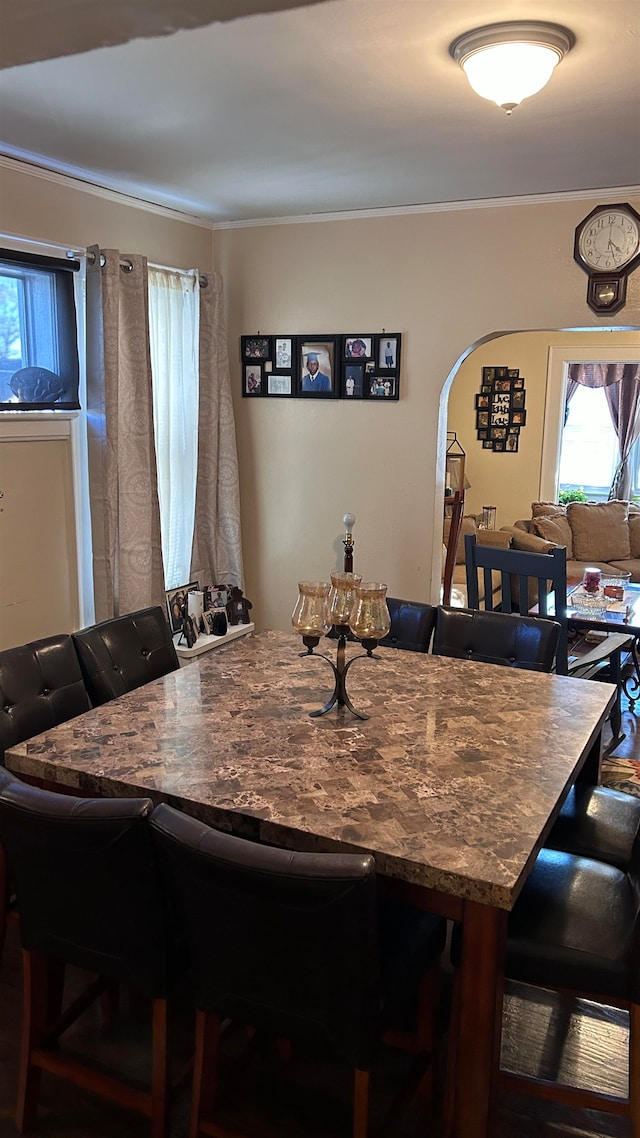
(382, 387)
(352, 381)
(357, 347)
(502, 384)
(283, 353)
(317, 368)
(518, 383)
(176, 600)
(487, 444)
(517, 401)
(518, 418)
(482, 401)
(499, 444)
(482, 419)
(279, 384)
(387, 352)
(488, 373)
(252, 380)
(512, 442)
(513, 372)
(256, 347)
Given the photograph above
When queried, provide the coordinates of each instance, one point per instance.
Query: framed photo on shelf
(317, 368)
(176, 600)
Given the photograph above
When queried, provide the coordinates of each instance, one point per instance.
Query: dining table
(453, 782)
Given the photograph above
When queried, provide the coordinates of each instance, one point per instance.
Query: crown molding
(604, 196)
(23, 165)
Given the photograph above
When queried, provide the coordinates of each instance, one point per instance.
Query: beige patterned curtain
(217, 546)
(125, 516)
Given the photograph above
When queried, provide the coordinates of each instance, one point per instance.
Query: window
(589, 446)
(39, 367)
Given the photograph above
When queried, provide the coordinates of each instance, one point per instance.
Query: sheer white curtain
(174, 323)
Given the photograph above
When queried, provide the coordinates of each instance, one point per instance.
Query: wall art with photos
(333, 366)
(500, 409)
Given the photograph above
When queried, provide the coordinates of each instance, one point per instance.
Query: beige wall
(512, 481)
(445, 280)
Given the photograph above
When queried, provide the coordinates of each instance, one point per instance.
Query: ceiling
(232, 111)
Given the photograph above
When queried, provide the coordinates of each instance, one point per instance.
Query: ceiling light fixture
(508, 62)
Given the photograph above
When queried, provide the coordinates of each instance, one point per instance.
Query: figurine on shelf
(238, 607)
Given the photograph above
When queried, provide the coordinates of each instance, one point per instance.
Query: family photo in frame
(500, 409)
(351, 365)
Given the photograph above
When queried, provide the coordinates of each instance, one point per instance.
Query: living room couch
(605, 535)
(485, 537)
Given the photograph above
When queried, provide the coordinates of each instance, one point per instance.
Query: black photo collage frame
(500, 409)
(358, 366)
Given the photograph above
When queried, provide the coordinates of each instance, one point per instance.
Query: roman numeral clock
(607, 247)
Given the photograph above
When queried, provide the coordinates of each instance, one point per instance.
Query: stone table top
(452, 783)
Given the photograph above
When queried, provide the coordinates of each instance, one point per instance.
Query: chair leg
(361, 1104)
(160, 1069)
(205, 1068)
(36, 998)
(5, 895)
(634, 1069)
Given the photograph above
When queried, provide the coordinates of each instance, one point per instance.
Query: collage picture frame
(331, 366)
(500, 409)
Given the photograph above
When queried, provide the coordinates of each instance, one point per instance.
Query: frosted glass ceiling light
(508, 62)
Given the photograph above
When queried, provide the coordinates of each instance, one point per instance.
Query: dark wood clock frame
(607, 291)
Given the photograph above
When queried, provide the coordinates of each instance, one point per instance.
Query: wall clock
(607, 247)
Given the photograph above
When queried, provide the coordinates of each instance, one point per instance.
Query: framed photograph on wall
(381, 386)
(252, 380)
(283, 353)
(317, 364)
(387, 352)
(255, 347)
(357, 347)
(352, 381)
(279, 384)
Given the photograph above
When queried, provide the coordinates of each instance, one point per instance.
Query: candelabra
(345, 605)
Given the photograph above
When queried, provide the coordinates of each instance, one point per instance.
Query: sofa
(605, 535)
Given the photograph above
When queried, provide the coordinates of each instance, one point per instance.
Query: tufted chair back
(496, 638)
(41, 685)
(89, 894)
(121, 654)
(411, 625)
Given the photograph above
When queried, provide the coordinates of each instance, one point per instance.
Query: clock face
(609, 240)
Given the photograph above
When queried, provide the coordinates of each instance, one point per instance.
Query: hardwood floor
(310, 1098)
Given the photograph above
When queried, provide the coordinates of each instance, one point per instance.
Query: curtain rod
(203, 279)
(72, 254)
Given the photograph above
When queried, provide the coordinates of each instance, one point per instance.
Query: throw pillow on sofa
(547, 509)
(556, 528)
(600, 530)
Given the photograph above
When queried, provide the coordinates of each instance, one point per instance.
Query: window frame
(65, 324)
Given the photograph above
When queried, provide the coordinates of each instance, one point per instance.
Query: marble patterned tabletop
(452, 782)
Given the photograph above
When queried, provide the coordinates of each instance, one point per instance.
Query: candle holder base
(340, 669)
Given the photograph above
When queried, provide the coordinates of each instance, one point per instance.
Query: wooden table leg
(484, 933)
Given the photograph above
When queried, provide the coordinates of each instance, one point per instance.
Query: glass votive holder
(342, 596)
(310, 616)
(592, 578)
(370, 619)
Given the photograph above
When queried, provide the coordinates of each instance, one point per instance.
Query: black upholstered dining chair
(496, 638)
(89, 895)
(411, 625)
(41, 685)
(595, 821)
(296, 945)
(576, 928)
(121, 654)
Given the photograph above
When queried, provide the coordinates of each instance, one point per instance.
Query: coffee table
(620, 616)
